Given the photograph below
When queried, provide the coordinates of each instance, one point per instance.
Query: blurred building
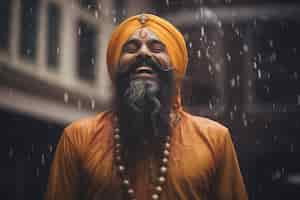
(51, 57)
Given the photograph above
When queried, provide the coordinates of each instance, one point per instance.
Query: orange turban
(165, 31)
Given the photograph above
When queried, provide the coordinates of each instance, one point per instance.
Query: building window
(90, 5)
(5, 23)
(86, 52)
(29, 22)
(54, 18)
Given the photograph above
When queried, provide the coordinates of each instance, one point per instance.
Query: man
(147, 146)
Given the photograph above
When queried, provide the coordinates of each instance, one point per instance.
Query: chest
(191, 168)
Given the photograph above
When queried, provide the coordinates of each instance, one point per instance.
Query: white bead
(117, 136)
(161, 179)
(121, 168)
(118, 158)
(167, 145)
(130, 191)
(126, 182)
(115, 119)
(158, 189)
(117, 130)
(163, 169)
(166, 152)
(155, 196)
(165, 160)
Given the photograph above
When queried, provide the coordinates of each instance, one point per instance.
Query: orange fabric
(166, 32)
(203, 163)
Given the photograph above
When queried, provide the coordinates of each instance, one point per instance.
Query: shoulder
(80, 131)
(214, 133)
(205, 124)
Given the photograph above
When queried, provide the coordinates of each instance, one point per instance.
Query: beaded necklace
(160, 180)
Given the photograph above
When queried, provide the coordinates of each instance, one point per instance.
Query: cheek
(164, 59)
(125, 59)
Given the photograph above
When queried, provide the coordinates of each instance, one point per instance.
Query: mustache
(138, 61)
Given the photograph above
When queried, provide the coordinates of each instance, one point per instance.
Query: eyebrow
(131, 41)
(156, 41)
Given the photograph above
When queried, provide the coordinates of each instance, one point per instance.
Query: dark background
(243, 72)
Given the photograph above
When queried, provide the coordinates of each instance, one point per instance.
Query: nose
(144, 50)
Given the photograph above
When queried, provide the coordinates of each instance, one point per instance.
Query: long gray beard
(144, 113)
(141, 97)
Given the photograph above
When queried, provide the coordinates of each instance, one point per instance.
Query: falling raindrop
(276, 175)
(228, 56)
(245, 122)
(114, 20)
(199, 53)
(210, 105)
(295, 75)
(259, 74)
(66, 97)
(43, 159)
(273, 57)
(249, 83)
(50, 148)
(235, 107)
(244, 115)
(28, 51)
(93, 104)
(11, 152)
(294, 50)
(254, 65)
(238, 80)
(79, 106)
(232, 82)
(214, 43)
(292, 148)
(92, 61)
(237, 31)
(37, 171)
(202, 31)
(259, 57)
(32, 148)
(231, 115)
(271, 43)
(210, 69)
(218, 67)
(245, 48)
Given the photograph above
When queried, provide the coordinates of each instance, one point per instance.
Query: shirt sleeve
(64, 174)
(229, 183)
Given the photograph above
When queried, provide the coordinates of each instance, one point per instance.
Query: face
(144, 88)
(143, 44)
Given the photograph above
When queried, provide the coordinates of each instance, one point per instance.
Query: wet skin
(144, 42)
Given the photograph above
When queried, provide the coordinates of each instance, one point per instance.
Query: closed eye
(156, 46)
(131, 46)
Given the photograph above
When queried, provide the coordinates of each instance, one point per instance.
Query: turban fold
(165, 31)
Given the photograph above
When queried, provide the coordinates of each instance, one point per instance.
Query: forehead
(144, 34)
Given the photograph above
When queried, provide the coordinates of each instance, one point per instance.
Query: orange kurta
(203, 163)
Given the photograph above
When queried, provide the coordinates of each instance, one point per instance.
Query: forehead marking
(143, 34)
